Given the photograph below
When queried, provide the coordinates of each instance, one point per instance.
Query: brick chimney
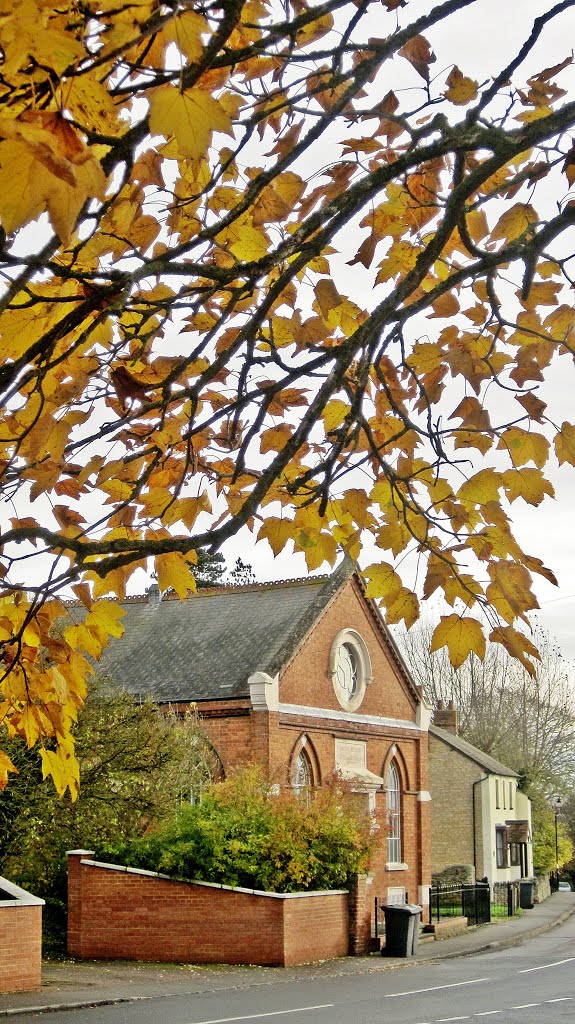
(445, 716)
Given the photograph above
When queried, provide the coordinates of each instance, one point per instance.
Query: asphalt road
(528, 984)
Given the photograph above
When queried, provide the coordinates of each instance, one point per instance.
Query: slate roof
(489, 764)
(205, 648)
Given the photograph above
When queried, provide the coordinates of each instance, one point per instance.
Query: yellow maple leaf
(62, 766)
(186, 510)
(382, 493)
(20, 199)
(327, 296)
(174, 573)
(29, 725)
(275, 438)
(529, 484)
(404, 607)
(277, 532)
(6, 766)
(355, 503)
(461, 90)
(318, 547)
(394, 536)
(334, 414)
(461, 587)
(400, 259)
(106, 616)
(156, 501)
(561, 322)
(61, 171)
(384, 582)
(114, 582)
(481, 488)
(246, 242)
(461, 635)
(90, 104)
(524, 446)
(25, 33)
(446, 305)
(509, 592)
(185, 30)
(565, 444)
(191, 117)
(518, 646)
(515, 222)
(81, 636)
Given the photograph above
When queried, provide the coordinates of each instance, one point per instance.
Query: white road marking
(524, 1006)
(416, 991)
(487, 1013)
(274, 1013)
(560, 999)
(528, 970)
(443, 1020)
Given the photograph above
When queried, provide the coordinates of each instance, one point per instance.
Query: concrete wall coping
(209, 885)
(20, 897)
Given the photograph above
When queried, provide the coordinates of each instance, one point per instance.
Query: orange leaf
(419, 53)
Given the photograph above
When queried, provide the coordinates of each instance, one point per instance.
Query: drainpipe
(476, 783)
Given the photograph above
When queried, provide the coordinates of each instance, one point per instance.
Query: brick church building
(303, 677)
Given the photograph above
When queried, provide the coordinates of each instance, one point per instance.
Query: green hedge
(245, 833)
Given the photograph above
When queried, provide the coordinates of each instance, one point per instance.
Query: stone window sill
(395, 866)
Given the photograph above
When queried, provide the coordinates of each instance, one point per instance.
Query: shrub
(244, 833)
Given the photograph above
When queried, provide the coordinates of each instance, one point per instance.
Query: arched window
(302, 778)
(205, 768)
(393, 786)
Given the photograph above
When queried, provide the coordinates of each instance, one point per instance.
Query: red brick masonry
(126, 913)
(20, 939)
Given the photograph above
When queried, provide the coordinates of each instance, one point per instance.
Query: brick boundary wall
(360, 915)
(20, 939)
(116, 912)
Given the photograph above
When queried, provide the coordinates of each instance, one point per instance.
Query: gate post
(359, 915)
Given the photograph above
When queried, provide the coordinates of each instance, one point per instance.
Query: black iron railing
(506, 898)
(472, 901)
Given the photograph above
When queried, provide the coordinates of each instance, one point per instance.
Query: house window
(350, 668)
(497, 793)
(514, 854)
(302, 778)
(393, 814)
(501, 847)
(510, 796)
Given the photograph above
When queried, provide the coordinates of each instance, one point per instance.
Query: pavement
(71, 984)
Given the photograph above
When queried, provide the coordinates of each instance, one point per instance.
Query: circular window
(350, 668)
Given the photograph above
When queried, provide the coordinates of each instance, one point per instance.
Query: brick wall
(307, 680)
(360, 902)
(451, 783)
(116, 913)
(20, 947)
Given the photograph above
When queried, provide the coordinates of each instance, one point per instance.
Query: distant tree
(210, 569)
(549, 850)
(242, 573)
(566, 816)
(527, 722)
(137, 763)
